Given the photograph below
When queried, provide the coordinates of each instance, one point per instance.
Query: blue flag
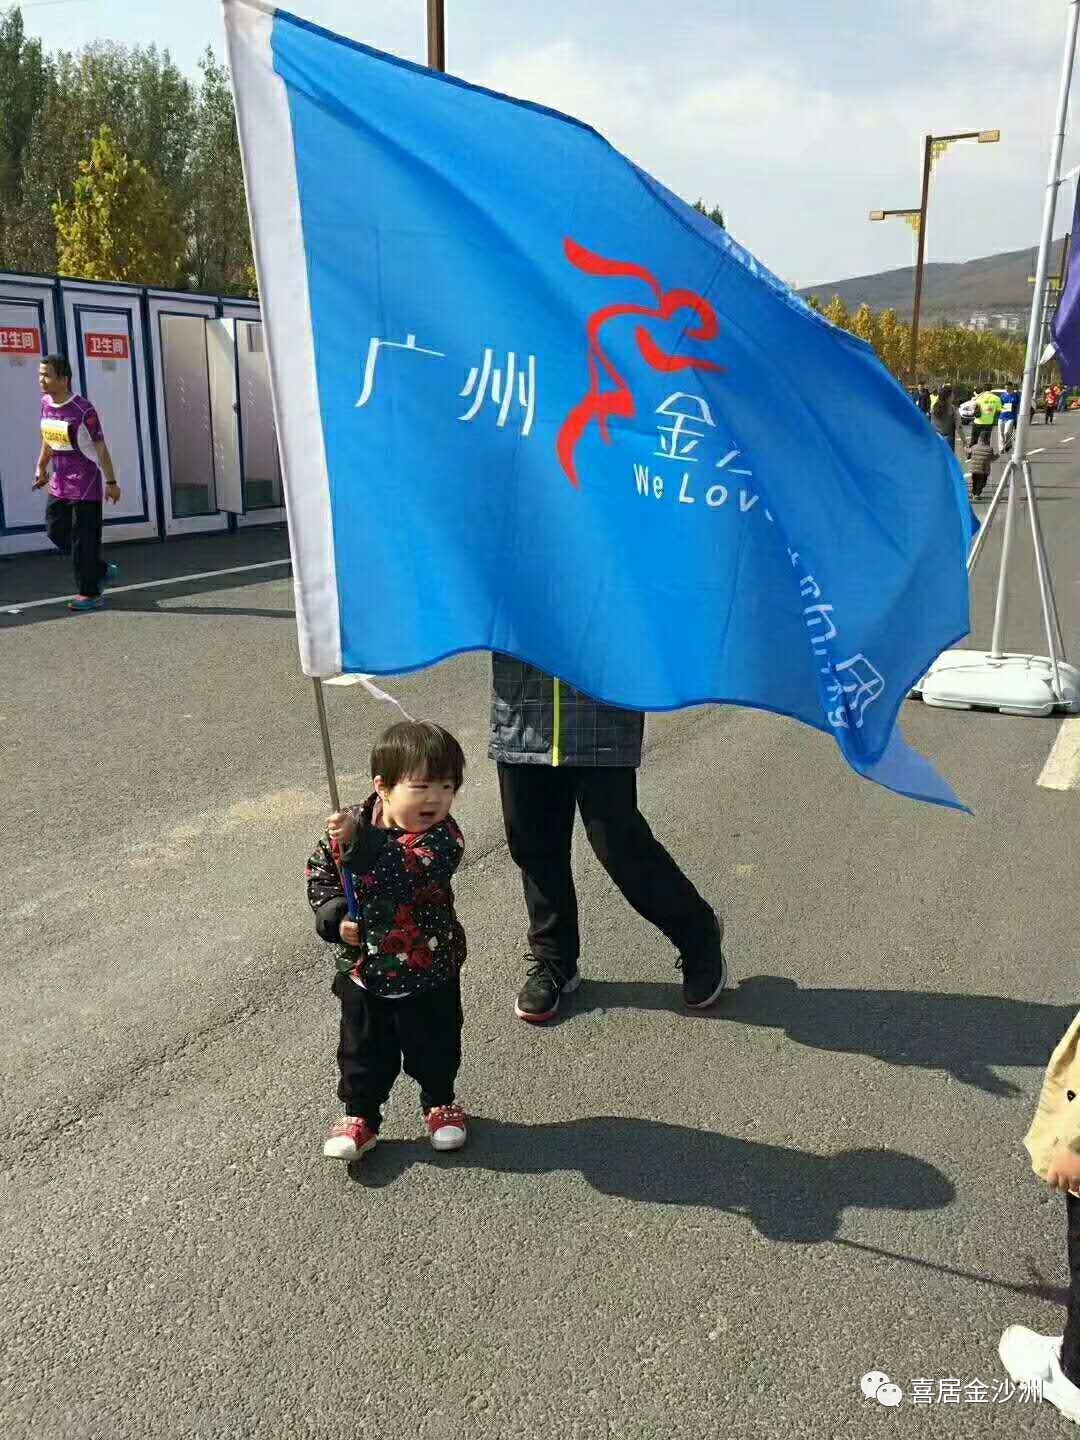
(530, 401)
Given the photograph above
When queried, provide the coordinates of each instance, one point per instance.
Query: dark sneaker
(112, 574)
(545, 985)
(704, 974)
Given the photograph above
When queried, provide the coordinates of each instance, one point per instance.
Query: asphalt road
(664, 1226)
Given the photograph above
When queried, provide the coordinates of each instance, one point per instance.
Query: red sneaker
(448, 1126)
(349, 1138)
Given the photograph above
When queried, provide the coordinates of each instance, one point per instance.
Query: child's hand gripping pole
(347, 882)
(341, 828)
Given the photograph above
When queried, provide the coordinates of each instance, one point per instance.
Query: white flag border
(273, 196)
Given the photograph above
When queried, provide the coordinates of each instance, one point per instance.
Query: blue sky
(796, 116)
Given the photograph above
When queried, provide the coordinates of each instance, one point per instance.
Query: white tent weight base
(1010, 684)
(995, 679)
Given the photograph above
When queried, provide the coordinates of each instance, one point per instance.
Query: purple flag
(1065, 326)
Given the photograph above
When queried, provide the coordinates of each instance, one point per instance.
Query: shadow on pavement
(44, 575)
(963, 1035)
(786, 1194)
(160, 600)
(1039, 1288)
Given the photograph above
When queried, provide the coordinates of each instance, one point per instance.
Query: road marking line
(149, 584)
(1039, 451)
(1062, 768)
(1069, 440)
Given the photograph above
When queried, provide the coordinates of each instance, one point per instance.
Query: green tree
(23, 74)
(145, 100)
(716, 215)
(219, 256)
(119, 225)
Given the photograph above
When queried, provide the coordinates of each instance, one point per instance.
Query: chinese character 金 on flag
(560, 381)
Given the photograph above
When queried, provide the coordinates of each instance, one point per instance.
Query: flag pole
(1020, 684)
(328, 754)
(335, 801)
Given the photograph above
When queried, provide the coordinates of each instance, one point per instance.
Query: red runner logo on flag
(600, 404)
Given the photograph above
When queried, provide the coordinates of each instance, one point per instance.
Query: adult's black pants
(74, 526)
(539, 804)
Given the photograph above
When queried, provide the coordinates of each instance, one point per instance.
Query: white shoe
(1027, 1355)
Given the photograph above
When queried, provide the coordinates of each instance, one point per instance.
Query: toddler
(399, 958)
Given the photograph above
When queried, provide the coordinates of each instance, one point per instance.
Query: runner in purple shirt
(69, 427)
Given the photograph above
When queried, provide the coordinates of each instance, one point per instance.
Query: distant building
(1010, 322)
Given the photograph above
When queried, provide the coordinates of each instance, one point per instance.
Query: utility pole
(436, 35)
(916, 309)
(933, 147)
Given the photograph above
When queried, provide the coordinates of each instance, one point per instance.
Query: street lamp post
(933, 147)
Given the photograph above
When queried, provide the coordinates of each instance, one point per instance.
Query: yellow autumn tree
(119, 224)
(864, 324)
(893, 339)
(947, 353)
(838, 313)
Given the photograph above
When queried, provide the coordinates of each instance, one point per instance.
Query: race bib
(56, 435)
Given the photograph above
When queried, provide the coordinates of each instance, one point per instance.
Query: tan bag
(1057, 1119)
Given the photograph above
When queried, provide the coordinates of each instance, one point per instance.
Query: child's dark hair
(417, 749)
(59, 365)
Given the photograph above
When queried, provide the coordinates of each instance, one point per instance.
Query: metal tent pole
(1051, 619)
(1031, 362)
(988, 518)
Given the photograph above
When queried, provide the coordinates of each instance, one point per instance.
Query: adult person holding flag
(69, 429)
(557, 397)
(559, 751)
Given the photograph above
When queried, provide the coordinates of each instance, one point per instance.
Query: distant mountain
(995, 285)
